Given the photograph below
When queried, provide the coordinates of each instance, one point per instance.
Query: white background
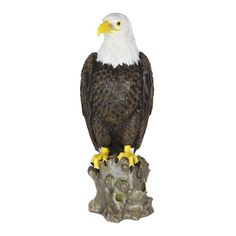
(190, 142)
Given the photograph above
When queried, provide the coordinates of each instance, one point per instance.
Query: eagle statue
(116, 92)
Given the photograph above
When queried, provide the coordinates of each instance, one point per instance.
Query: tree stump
(121, 192)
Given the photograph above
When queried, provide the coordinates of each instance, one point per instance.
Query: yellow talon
(102, 156)
(132, 158)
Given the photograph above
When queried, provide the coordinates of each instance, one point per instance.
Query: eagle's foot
(132, 158)
(102, 156)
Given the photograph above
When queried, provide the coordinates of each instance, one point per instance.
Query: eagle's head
(119, 45)
(115, 25)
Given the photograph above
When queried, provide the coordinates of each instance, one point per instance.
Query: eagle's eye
(118, 23)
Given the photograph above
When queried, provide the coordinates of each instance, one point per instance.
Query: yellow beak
(105, 28)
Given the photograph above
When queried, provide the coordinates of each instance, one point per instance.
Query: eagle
(116, 92)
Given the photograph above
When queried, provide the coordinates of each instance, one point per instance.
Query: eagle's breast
(116, 92)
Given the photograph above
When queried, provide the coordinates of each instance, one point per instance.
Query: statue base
(121, 192)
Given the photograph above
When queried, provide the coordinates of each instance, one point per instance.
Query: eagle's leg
(132, 158)
(130, 132)
(103, 139)
(102, 156)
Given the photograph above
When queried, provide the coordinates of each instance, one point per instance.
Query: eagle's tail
(116, 149)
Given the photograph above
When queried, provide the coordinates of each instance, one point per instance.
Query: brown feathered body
(116, 102)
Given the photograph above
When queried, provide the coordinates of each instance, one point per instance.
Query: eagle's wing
(86, 95)
(147, 96)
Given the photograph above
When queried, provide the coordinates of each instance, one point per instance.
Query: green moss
(119, 197)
